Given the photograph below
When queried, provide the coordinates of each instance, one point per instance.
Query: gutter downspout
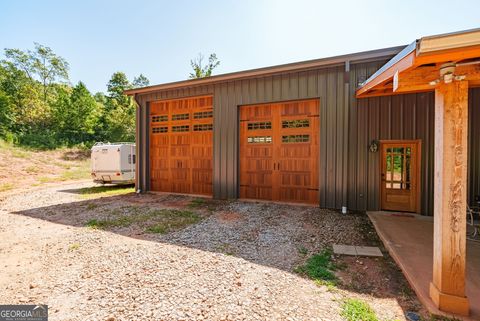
(138, 146)
(346, 137)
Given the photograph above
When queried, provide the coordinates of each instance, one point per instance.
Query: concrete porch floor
(409, 240)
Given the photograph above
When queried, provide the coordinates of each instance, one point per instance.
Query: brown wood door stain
(400, 176)
(279, 151)
(181, 145)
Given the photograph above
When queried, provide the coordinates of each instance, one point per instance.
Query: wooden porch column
(447, 288)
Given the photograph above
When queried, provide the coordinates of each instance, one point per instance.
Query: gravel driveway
(235, 264)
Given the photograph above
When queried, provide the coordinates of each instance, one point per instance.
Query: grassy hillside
(21, 167)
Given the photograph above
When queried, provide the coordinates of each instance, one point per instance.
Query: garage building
(296, 133)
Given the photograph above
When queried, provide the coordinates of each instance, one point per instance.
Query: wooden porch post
(447, 288)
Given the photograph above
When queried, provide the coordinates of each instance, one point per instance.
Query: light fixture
(373, 147)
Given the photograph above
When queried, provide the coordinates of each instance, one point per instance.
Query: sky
(159, 38)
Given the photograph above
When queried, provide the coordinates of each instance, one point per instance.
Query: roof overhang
(292, 67)
(418, 67)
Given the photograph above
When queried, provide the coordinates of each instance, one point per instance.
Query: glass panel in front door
(398, 171)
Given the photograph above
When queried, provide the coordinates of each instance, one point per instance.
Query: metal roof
(428, 44)
(297, 66)
(405, 52)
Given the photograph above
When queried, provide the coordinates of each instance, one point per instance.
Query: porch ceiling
(420, 65)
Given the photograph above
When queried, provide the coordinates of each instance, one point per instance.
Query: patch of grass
(62, 165)
(172, 220)
(303, 250)
(331, 285)
(74, 246)
(226, 249)
(5, 145)
(18, 153)
(47, 179)
(93, 223)
(319, 267)
(196, 202)
(153, 221)
(81, 170)
(357, 310)
(103, 191)
(6, 187)
(157, 229)
(91, 206)
(32, 169)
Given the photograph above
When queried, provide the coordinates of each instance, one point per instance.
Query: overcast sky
(158, 38)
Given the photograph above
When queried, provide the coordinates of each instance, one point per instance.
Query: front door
(279, 148)
(400, 185)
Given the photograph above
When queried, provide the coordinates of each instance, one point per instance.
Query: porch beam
(447, 288)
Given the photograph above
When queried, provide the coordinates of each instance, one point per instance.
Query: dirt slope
(22, 168)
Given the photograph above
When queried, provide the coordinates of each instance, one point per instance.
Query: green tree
(38, 107)
(76, 115)
(119, 118)
(201, 71)
(29, 110)
(7, 118)
(140, 81)
(120, 122)
(117, 84)
(41, 64)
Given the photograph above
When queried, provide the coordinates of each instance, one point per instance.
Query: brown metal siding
(349, 173)
(389, 118)
(326, 84)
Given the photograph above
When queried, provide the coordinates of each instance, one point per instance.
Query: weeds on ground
(91, 206)
(356, 310)
(196, 202)
(302, 250)
(6, 187)
(74, 246)
(17, 153)
(226, 249)
(47, 179)
(320, 268)
(172, 220)
(32, 169)
(93, 223)
(76, 172)
(157, 229)
(153, 221)
(330, 285)
(68, 174)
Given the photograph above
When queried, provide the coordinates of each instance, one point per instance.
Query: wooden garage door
(181, 140)
(279, 151)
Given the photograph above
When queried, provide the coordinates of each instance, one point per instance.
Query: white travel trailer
(113, 163)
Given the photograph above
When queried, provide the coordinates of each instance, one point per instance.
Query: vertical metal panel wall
(349, 173)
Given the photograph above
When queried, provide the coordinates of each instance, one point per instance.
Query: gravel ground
(235, 264)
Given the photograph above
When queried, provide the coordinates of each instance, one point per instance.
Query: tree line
(39, 107)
